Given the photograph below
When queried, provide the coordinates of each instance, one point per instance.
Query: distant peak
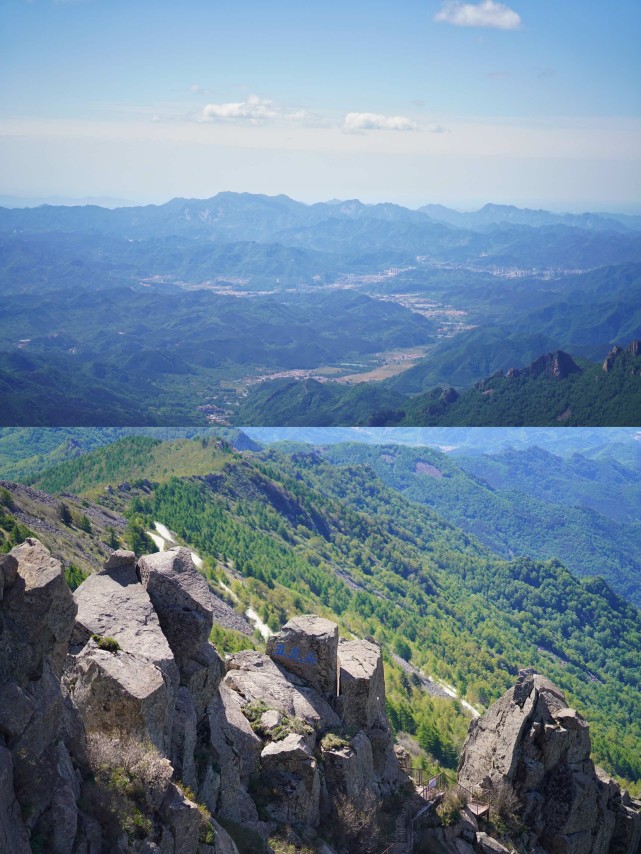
(557, 365)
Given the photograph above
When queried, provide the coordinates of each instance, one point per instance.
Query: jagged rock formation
(618, 354)
(557, 366)
(530, 741)
(122, 730)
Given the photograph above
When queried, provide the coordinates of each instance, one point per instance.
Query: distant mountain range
(348, 229)
(170, 314)
(491, 214)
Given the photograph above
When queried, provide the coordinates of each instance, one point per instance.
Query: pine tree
(112, 541)
(64, 514)
(84, 524)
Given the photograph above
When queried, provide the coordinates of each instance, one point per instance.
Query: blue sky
(533, 102)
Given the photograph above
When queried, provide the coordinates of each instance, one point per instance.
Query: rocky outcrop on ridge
(621, 354)
(557, 366)
(122, 729)
(531, 742)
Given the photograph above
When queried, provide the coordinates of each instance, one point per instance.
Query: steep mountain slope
(554, 389)
(605, 479)
(307, 535)
(512, 519)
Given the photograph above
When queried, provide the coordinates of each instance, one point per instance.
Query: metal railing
(430, 788)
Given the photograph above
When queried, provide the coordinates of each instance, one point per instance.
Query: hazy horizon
(8, 201)
(442, 101)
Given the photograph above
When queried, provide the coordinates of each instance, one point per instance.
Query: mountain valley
(199, 311)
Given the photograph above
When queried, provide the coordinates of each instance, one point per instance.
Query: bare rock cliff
(123, 730)
(530, 741)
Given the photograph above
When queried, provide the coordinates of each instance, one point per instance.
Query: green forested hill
(130, 356)
(512, 520)
(309, 535)
(605, 479)
(586, 395)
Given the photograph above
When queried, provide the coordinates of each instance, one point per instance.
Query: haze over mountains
(173, 314)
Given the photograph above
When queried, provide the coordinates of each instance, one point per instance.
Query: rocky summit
(123, 730)
(532, 750)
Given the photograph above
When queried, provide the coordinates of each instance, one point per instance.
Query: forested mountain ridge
(595, 529)
(309, 535)
(554, 390)
(510, 519)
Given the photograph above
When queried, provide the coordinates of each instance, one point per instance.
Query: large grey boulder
(361, 701)
(181, 598)
(121, 692)
(255, 677)
(308, 646)
(531, 742)
(350, 769)
(113, 603)
(486, 845)
(292, 773)
(38, 612)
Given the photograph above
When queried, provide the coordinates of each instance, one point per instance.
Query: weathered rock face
(307, 646)
(13, 833)
(292, 771)
(120, 682)
(115, 691)
(256, 678)
(112, 603)
(617, 354)
(38, 612)
(36, 615)
(181, 599)
(129, 688)
(350, 769)
(285, 692)
(532, 741)
(8, 572)
(362, 684)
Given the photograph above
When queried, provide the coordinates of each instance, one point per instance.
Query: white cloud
(252, 110)
(355, 122)
(484, 14)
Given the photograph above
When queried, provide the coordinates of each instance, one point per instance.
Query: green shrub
(129, 778)
(449, 810)
(74, 576)
(108, 644)
(331, 741)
